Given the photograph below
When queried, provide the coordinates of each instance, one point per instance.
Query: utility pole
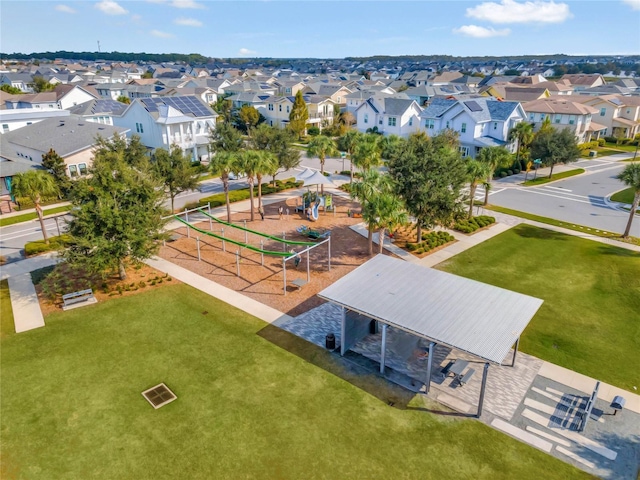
(98, 46)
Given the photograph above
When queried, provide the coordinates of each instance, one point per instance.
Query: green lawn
(624, 148)
(4, 222)
(590, 319)
(556, 176)
(624, 196)
(253, 402)
(6, 312)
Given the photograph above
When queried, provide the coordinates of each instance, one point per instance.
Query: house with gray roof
(23, 81)
(480, 122)
(389, 116)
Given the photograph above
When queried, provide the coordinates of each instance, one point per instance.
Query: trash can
(617, 403)
(330, 341)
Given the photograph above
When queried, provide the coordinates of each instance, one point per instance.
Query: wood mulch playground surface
(265, 283)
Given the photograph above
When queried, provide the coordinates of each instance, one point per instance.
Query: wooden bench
(78, 299)
(463, 379)
(299, 282)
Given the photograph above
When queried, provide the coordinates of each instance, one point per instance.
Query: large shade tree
(429, 174)
(630, 176)
(56, 165)
(35, 185)
(117, 215)
(555, 146)
(299, 115)
(322, 147)
(175, 171)
(278, 142)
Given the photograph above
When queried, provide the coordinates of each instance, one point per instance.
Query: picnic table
(458, 367)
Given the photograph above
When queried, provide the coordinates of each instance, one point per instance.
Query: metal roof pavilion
(447, 309)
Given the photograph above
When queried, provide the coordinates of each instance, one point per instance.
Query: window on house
(5, 127)
(532, 117)
(628, 111)
(411, 122)
(572, 119)
(82, 168)
(279, 108)
(380, 122)
(271, 106)
(447, 124)
(464, 151)
(366, 118)
(495, 125)
(288, 90)
(288, 108)
(557, 118)
(392, 121)
(139, 128)
(463, 129)
(29, 123)
(73, 171)
(603, 112)
(542, 117)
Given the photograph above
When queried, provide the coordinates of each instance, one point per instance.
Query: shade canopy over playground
(307, 172)
(477, 318)
(316, 179)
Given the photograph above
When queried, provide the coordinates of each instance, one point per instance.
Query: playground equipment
(315, 201)
(285, 255)
(311, 233)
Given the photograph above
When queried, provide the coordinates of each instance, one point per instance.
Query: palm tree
(389, 212)
(268, 164)
(249, 162)
(366, 153)
(493, 157)
(630, 176)
(222, 164)
(35, 185)
(523, 133)
(321, 147)
(348, 142)
(476, 172)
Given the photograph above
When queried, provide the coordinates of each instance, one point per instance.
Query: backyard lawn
(253, 402)
(6, 313)
(590, 319)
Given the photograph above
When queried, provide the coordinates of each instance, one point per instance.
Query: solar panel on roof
(473, 106)
(616, 101)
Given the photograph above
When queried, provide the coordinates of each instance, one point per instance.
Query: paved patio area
(405, 354)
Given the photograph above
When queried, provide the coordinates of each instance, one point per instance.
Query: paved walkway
(24, 301)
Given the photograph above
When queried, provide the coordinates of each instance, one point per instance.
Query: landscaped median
(554, 177)
(6, 221)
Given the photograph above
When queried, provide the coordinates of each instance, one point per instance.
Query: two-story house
(161, 122)
(480, 122)
(617, 113)
(564, 113)
(389, 115)
(278, 109)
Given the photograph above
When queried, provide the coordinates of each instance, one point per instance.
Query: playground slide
(314, 211)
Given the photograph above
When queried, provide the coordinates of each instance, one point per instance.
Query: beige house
(278, 110)
(618, 113)
(565, 114)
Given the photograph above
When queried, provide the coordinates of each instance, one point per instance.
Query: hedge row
(474, 223)
(591, 145)
(218, 199)
(55, 243)
(430, 241)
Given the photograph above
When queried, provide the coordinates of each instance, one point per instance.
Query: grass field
(556, 176)
(590, 319)
(6, 312)
(253, 402)
(624, 196)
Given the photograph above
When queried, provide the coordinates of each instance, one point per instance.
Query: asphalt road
(580, 199)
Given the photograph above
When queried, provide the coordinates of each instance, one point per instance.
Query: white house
(480, 122)
(389, 116)
(164, 121)
(69, 96)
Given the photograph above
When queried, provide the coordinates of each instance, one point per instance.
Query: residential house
(565, 113)
(42, 101)
(582, 81)
(480, 122)
(71, 137)
(389, 116)
(278, 109)
(23, 81)
(68, 96)
(161, 122)
(99, 110)
(16, 118)
(619, 114)
(336, 92)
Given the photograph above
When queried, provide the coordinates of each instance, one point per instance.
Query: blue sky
(323, 29)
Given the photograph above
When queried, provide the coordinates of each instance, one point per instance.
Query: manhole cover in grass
(159, 395)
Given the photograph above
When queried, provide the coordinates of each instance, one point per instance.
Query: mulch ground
(265, 283)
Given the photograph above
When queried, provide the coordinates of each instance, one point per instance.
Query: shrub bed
(430, 241)
(474, 223)
(218, 200)
(38, 246)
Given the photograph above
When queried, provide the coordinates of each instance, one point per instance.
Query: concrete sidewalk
(28, 265)
(24, 302)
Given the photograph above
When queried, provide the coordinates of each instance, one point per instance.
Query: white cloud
(481, 32)
(634, 4)
(188, 22)
(110, 8)
(509, 11)
(159, 34)
(185, 4)
(245, 52)
(65, 9)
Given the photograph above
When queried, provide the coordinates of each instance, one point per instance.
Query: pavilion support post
(329, 252)
(429, 367)
(198, 247)
(482, 388)
(515, 352)
(383, 347)
(343, 329)
(308, 269)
